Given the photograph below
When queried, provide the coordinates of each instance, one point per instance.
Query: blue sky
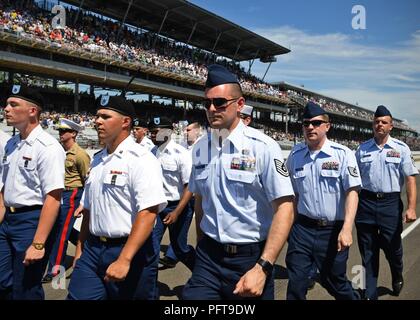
(377, 65)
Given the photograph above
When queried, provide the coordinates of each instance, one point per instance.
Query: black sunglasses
(314, 123)
(64, 130)
(218, 103)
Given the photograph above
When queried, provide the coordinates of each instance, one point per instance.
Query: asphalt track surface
(171, 281)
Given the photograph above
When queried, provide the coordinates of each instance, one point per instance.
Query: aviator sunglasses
(314, 123)
(218, 103)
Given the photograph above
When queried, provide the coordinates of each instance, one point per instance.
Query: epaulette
(45, 139)
(399, 142)
(254, 134)
(300, 146)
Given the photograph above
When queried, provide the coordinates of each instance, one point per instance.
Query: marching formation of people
(248, 202)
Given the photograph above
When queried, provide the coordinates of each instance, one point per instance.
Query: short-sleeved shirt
(384, 169)
(238, 179)
(119, 186)
(76, 167)
(176, 168)
(4, 137)
(32, 168)
(321, 181)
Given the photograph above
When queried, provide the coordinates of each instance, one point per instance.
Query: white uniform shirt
(4, 137)
(119, 186)
(237, 183)
(176, 168)
(147, 143)
(32, 168)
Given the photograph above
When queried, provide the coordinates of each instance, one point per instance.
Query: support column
(76, 96)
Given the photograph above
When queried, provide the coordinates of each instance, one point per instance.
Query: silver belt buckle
(231, 248)
(380, 195)
(322, 223)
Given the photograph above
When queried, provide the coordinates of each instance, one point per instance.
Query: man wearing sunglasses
(243, 200)
(76, 169)
(326, 180)
(385, 163)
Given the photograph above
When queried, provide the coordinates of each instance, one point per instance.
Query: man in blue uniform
(243, 200)
(384, 163)
(32, 184)
(326, 180)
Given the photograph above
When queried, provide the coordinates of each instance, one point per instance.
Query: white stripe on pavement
(410, 228)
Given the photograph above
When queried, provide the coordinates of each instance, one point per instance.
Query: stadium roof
(188, 23)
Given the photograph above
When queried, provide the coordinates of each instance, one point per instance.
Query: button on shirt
(32, 168)
(119, 186)
(176, 168)
(384, 169)
(237, 181)
(321, 181)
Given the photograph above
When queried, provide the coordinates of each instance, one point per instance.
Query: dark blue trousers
(216, 272)
(178, 234)
(18, 282)
(309, 245)
(87, 280)
(170, 251)
(379, 225)
(65, 222)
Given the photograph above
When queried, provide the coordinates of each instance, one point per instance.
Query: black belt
(235, 249)
(379, 195)
(316, 223)
(109, 241)
(24, 209)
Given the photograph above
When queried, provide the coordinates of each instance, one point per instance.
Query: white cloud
(344, 67)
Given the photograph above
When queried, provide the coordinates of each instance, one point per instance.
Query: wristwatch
(266, 266)
(38, 245)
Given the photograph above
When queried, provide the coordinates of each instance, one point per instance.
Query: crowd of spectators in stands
(103, 37)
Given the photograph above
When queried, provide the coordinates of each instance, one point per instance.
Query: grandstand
(160, 48)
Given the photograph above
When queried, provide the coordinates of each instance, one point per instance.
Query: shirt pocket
(169, 166)
(115, 181)
(27, 169)
(393, 166)
(70, 164)
(299, 181)
(365, 166)
(330, 182)
(240, 183)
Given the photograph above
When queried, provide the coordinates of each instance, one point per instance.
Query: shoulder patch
(353, 171)
(281, 168)
(45, 139)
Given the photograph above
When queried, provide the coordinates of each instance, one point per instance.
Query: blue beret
(312, 110)
(218, 75)
(26, 93)
(118, 104)
(382, 111)
(160, 122)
